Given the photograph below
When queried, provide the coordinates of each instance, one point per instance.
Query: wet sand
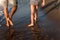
(46, 28)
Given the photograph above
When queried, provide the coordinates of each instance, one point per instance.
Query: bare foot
(11, 23)
(31, 25)
(7, 24)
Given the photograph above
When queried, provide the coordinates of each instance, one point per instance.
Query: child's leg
(36, 13)
(32, 7)
(12, 11)
(11, 14)
(6, 15)
(14, 7)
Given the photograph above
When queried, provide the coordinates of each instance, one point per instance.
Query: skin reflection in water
(10, 34)
(37, 33)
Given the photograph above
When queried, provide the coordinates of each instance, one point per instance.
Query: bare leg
(12, 13)
(36, 14)
(6, 15)
(43, 3)
(32, 7)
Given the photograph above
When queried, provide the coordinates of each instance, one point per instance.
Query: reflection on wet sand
(37, 33)
(29, 33)
(10, 34)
